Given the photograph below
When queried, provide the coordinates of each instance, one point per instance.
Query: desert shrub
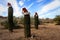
(16, 26)
(6, 25)
(21, 20)
(32, 20)
(40, 22)
(57, 19)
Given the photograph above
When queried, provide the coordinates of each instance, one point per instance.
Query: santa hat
(9, 4)
(24, 9)
(36, 13)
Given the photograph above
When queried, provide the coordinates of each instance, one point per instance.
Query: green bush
(57, 19)
(21, 20)
(6, 26)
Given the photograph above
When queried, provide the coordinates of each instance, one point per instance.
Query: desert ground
(45, 32)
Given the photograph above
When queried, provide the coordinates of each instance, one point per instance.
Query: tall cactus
(36, 21)
(27, 31)
(10, 17)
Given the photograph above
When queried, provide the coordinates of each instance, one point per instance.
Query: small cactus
(36, 22)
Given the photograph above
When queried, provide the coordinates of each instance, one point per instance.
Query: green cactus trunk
(27, 26)
(36, 21)
(10, 19)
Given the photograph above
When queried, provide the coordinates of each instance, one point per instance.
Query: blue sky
(44, 8)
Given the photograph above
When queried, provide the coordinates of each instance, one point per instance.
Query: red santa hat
(35, 13)
(9, 4)
(24, 9)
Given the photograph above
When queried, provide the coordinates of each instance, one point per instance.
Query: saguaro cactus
(36, 21)
(27, 31)
(10, 17)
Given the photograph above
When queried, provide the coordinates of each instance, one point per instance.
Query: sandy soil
(45, 32)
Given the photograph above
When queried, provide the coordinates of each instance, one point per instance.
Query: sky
(44, 8)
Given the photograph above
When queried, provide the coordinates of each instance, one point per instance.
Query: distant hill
(1, 17)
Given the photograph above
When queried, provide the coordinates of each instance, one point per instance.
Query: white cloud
(39, 0)
(21, 3)
(26, 0)
(16, 8)
(51, 14)
(30, 5)
(49, 7)
(2, 9)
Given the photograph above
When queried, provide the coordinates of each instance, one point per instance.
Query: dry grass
(45, 32)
